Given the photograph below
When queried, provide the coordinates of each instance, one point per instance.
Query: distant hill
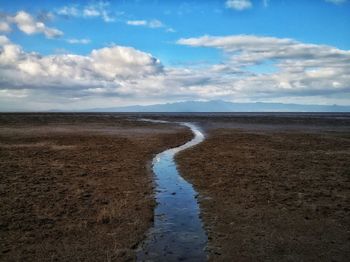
(223, 106)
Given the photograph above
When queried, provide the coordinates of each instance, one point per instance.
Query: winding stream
(177, 234)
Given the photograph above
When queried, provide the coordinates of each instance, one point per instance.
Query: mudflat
(77, 187)
(273, 187)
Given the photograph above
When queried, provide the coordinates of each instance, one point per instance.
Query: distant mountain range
(223, 106)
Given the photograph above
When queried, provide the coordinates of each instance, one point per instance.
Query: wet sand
(273, 188)
(77, 187)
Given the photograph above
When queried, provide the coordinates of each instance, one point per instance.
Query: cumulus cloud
(302, 69)
(116, 72)
(337, 2)
(5, 27)
(9, 52)
(93, 10)
(4, 40)
(239, 4)
(123, 63)
(107, 67)
(28, 25)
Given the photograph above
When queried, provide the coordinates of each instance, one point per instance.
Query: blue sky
(169, 34)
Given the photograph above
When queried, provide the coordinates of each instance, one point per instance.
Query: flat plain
(77, 187)
(271, 187)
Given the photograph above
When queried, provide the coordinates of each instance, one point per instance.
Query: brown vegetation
(76, 187)
(271, 194)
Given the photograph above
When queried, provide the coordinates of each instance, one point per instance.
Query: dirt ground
(77, 187)
(273, 188)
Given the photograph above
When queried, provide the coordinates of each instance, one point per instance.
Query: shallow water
(177, 234)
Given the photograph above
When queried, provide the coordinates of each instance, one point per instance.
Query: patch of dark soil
(80, 193)
(273, 196)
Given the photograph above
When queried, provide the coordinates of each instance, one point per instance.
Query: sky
(75, 55)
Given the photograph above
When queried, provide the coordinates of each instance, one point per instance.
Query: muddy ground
(76, 187)
(273, 187)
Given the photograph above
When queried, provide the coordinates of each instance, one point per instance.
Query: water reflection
(178, 233)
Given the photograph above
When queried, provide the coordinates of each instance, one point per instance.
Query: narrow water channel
(177, 234)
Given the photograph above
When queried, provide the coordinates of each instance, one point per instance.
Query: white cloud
(154, 23)
(90, 11)
(337, 2)
(10, 53)
(94, 10)
(5, 27)
(68, 11)
(137, 22)
(123, 62)
(239, 4)
(83, 41)
(98, 9)
(170, 30)
(302, 71)
(28, 25)
(4, 40)
(235, 42)
(106, 67)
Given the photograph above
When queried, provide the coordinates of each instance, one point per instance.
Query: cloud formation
(28, 25)
(94, 10)
(5, 27)
(106, 69)
(83, 41)
(239, 4)
(115, 72)
(137, 22)
(154, 23)
(302, 69)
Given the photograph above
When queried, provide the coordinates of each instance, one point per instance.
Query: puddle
(177, 234)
